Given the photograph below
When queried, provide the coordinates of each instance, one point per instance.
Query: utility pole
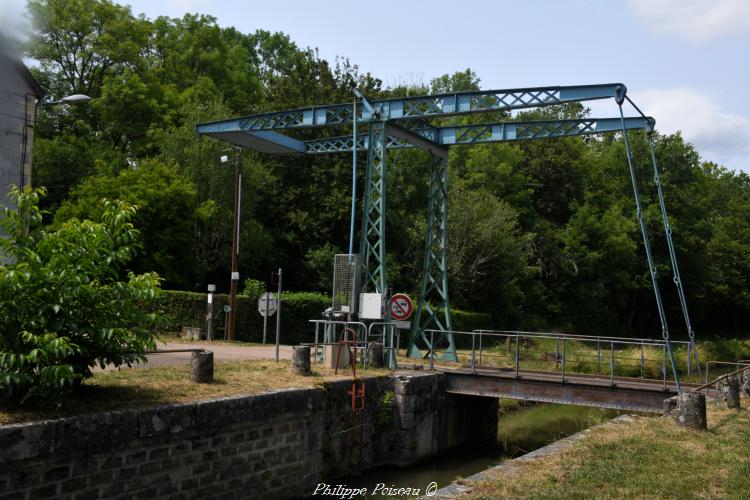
(235, 248)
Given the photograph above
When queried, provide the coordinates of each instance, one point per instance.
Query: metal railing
(365, 337)
(744, 363)
(613, 357)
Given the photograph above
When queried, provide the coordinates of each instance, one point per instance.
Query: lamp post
(71, 100)
(235, 278)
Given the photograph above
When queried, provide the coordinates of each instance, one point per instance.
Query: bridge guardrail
(744, 363)
(581, 354)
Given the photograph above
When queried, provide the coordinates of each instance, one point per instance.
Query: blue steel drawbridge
(410, 122)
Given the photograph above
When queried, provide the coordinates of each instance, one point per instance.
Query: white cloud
(695, 21)
(719, 136)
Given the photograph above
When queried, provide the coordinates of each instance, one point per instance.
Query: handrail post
(664, 364)
(432, 350)
(473, 355)
(557, 351)
(480, 348)
(612, 364)
(598, 355)
(642, 358)
(397, 346)
(708, 367)
(517, 354)
(316, 342)
(563, 359)
(392, 352)
(689, 354)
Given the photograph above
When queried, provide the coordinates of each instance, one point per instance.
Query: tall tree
(78, 43)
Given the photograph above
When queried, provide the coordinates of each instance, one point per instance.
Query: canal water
(521, 429)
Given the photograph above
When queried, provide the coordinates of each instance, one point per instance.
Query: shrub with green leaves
(253, 288)
(64, 305)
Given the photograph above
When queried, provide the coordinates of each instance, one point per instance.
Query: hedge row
(175, 309)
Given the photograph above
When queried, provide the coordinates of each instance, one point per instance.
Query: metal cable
(672, 253)
(647, 246)
(636, 107)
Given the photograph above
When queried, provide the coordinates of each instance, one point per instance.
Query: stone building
(19, 93)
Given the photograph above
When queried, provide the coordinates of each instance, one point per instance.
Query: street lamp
(235, 243)
(71, 100)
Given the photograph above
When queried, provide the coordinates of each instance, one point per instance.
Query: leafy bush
(63, 307)
(253, 288)
(175, 309)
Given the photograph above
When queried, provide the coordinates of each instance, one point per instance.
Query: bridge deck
(620, 393)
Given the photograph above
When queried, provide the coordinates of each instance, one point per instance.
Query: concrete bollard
(375, 355)
(191, 333)
(301, 360)
(728, 392)
(202, 367)
(688, 410)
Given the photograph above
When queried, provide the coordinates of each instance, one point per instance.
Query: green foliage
(175, 309)
(63, 306)
(467, 321)
(253, 288)
(81, 42)
(320, 262)
(166, 214)
(485, 246)
(542, 234)
(385, 409)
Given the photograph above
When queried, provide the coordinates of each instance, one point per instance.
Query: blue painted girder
(486, 133)
(265, 141)
(405, 108)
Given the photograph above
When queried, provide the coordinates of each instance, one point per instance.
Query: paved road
(222, 352)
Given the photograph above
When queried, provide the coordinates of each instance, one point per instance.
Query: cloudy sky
(684, 61)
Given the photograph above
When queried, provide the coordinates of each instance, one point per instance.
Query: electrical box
(346, 273)
(371, 306)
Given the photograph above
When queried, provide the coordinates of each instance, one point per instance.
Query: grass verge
(647, 458)
(137, 388)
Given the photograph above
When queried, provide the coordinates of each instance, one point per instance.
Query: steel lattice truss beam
(405, 108)
(372, 241)
(433, 309)
(485, 133)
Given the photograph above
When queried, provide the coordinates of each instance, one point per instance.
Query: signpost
(267, 306)
(401, 307)
(278, 319)
(210, 315)
(227, 310)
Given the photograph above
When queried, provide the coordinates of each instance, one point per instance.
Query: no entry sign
(401, 307)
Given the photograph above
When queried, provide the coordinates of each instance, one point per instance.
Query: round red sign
(401, 307)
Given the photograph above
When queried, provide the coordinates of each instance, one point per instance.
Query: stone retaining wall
(275, 445)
